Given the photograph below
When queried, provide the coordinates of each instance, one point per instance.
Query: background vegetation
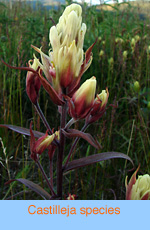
(121, 56)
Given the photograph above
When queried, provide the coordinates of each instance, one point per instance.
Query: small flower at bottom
(44, 142)
(71, 197)
(82, 100)
(138, 189)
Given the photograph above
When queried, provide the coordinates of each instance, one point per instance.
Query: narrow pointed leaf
(34, 187)
(86, 136)
(22, 130)
(130, 184)
(89, 51)
(19, 68)
(94, 159)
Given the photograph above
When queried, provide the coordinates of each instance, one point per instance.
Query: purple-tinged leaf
(94, 159)
(130, 184)
(53, 94)
(34, 187)
(86, 136)
(89, 51)
(22, 130)
(19, 68)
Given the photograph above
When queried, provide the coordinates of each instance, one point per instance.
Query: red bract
(98, 107)
(82, 100)
(33, 83)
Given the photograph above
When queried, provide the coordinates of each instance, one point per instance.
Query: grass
(123, 129)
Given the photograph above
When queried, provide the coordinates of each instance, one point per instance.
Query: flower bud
(33, 83)
(102, 98)
(98, 107)
(138, 189)
(101, 53)
(83, 98)
(136, 86)
(44, 142)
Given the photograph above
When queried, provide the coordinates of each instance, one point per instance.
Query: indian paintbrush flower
(67, 39)
(62, 67)
(82, 100)
(138, 189)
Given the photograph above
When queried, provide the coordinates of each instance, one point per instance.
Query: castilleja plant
(60, 74)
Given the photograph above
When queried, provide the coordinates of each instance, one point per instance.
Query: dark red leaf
(53, 94)
(88, 52)
(86, 136)
(34, 187)
(94, 159)
(22, 130)
(19, 68)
